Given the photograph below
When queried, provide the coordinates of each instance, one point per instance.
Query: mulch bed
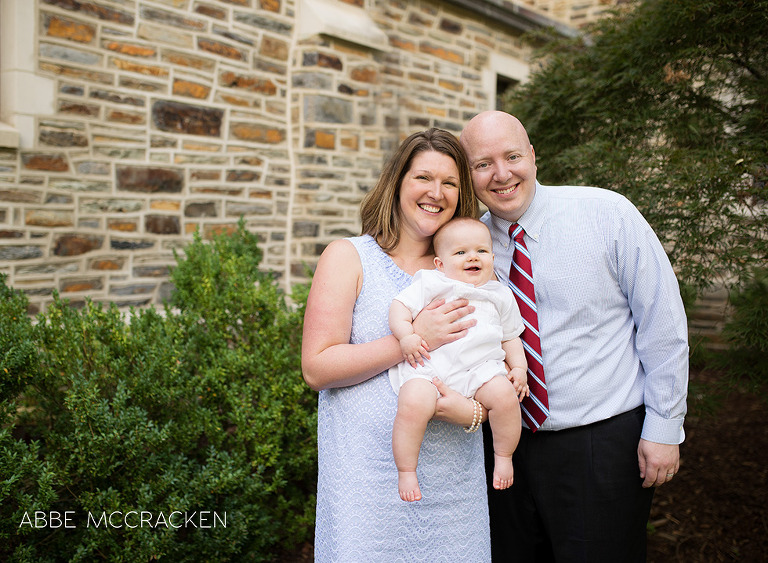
(716, 508)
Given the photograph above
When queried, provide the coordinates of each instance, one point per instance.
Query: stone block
(364, 74)
(210, 11)
(149, 179)
(210, 231)
(306, 229)
(190, 89)
(59, 138)
(269, 5)
(261, 23)
(15, 195)
(106, 264)
(176, 117)
(165, 205)
(123, 225)
(66, 28)
(442, 53)
(327, 109)
(322, 60)
(117, 97)
(46, 162)
(77, 108)
(124, 244)
(130, 49)
(451, 26)
(79, 285)
(247, 209)
(75, 244)
(94, 10)
(274, 48)
(197, 62)
(70, 54)
(159, 271)
(170, 19)
(133, 289)
(132, 66)
(221, 49)
(248, 82)
(48, 218)
(132, 118)
(257, 133)
(47, 269)
(243, 176)
(166, 35)
(78, 74)
(162, 224)
(201, 209)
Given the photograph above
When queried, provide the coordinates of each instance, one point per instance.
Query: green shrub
(200, 408)
(747, 331)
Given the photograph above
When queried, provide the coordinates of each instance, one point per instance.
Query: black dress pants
(577, 495)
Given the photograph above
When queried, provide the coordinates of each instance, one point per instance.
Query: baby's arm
(518, 366)
(414, 348)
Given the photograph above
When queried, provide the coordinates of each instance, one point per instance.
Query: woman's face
(429, 194)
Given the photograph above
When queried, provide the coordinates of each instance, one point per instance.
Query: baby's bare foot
(503, 472)
(408, 484)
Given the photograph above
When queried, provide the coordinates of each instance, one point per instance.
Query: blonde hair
(380, 209)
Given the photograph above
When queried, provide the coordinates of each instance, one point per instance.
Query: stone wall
(575, 13)
(169, 116)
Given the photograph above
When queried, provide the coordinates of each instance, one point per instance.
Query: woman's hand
(454, 407)
(440, 323)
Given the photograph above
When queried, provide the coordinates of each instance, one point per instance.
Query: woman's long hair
(380, 209)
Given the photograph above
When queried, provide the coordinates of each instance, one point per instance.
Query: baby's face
(466, 254)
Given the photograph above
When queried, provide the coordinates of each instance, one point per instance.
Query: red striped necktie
(535, 408)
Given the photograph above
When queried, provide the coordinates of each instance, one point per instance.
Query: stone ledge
(344, 21)
(9, 137)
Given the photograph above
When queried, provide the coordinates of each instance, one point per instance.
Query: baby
(473, 365)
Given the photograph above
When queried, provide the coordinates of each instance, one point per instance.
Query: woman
(347, 350)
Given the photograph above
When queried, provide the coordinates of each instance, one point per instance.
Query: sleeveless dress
(360, 516)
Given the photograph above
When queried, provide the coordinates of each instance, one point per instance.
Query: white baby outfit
(469, 362)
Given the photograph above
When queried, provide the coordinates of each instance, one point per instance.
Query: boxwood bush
(185, 434)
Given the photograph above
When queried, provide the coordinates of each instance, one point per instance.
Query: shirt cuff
(663, 430)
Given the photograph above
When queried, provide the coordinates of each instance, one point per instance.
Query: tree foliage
(667, 103)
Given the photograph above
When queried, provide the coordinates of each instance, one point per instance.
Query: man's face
(502, 162)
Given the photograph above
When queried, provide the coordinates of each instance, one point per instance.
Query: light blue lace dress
(360, 517)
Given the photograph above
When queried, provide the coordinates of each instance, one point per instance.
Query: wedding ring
(670, 474)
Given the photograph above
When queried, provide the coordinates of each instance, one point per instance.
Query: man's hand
(658, 462)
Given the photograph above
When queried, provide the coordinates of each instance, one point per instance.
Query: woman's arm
(327, 358)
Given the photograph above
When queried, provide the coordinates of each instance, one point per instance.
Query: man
(614, 353)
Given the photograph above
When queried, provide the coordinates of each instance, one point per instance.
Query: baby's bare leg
(415, 408)
(499, 397)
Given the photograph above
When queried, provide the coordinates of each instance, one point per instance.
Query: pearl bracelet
(477, 417)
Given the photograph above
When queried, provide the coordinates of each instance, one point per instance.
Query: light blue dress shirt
(612, 325)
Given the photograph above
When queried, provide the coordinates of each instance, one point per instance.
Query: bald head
(502, 163)
(490, 121)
